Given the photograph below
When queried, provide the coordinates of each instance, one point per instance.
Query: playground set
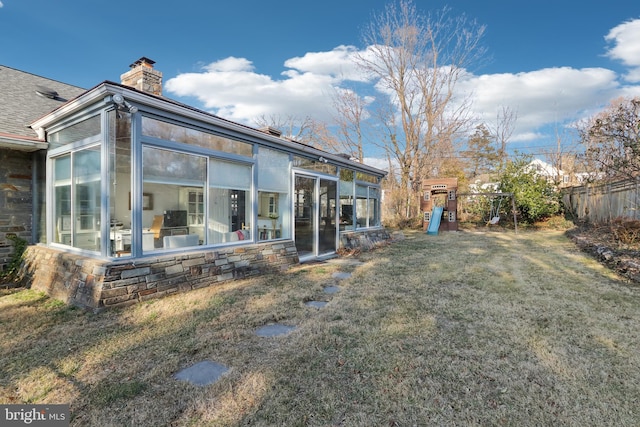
(439, 205)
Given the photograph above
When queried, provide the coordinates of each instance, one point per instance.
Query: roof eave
(69, 108)
(22, 143)
(104, 89)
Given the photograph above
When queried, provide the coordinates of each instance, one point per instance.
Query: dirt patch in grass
(466, 328)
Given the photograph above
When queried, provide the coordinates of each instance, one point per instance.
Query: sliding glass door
(315, 216)
(327, 236)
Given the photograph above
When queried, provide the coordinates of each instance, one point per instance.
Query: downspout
(34, 197)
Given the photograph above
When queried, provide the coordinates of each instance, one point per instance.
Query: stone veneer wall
(15, 201)
(364, 240)
(98, 283)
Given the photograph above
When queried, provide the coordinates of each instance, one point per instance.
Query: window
(77, 199)
(314, 165)
(76, 132)
(362, 206)
(195, 207)
(367, 206)
(346, 199)
(274, 210)
(119, 176)
(171, 132)
(229, 202)
(361, 176)
(170, 178)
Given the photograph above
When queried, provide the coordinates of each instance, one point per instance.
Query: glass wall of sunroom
(124, 184)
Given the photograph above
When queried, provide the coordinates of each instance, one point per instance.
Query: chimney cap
(143, 61)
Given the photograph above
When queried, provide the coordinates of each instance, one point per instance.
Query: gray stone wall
(98, 284)
(15, 201)
(364, 240)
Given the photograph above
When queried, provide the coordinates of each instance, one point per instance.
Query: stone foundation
(97, 284)
(364, 240)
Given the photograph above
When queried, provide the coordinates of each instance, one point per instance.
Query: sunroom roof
(104, 90)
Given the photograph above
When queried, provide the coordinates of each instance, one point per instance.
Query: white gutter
(22, 143)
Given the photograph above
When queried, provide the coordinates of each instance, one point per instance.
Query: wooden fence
(602, 203)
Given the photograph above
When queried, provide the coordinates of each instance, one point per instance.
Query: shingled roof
(25, 97)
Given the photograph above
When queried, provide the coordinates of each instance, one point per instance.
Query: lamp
(123, 104)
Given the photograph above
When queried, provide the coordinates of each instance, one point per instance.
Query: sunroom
(133, 177)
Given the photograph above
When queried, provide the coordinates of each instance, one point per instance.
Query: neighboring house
(484, 184)
(24, 97)
(550, 172)
(146, 196)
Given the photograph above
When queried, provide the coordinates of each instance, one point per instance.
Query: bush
(536, 198)
(626, 231)
(402, 223)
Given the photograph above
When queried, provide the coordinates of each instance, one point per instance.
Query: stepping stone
(202, 373)
(331, 289)
(316, 304)
(341, 275)
(274, 330)
(345, 261)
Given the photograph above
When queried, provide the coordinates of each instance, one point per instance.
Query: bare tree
(350, 116)
(417, 61)
(291, 126)
(505, 124)
(612, 139)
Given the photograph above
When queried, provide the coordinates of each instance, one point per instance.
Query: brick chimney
(143, 77)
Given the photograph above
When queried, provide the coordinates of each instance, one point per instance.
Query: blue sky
(553, 62)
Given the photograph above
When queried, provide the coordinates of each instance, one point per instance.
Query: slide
(434, 222)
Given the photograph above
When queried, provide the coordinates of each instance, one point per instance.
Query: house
(551, 173)
(24, 97)
(146, 196)
(548, 171)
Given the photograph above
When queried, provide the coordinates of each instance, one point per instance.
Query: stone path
(274, 330)
(316, 304)
(341, 276)
(208, 372)
(202, 373)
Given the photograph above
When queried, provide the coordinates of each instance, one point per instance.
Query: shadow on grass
(127, 357)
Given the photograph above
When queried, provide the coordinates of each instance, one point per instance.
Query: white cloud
(376, 162)
(337, 63)
(232, 89)
(625, 39)
(542, 99)
(1, 5)
(547, 96)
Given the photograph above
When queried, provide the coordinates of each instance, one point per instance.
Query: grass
(467, 328)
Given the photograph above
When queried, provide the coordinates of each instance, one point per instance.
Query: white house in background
(549, 171)
(485, 184)
(479, 186)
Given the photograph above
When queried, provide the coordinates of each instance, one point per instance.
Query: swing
(494, 214)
